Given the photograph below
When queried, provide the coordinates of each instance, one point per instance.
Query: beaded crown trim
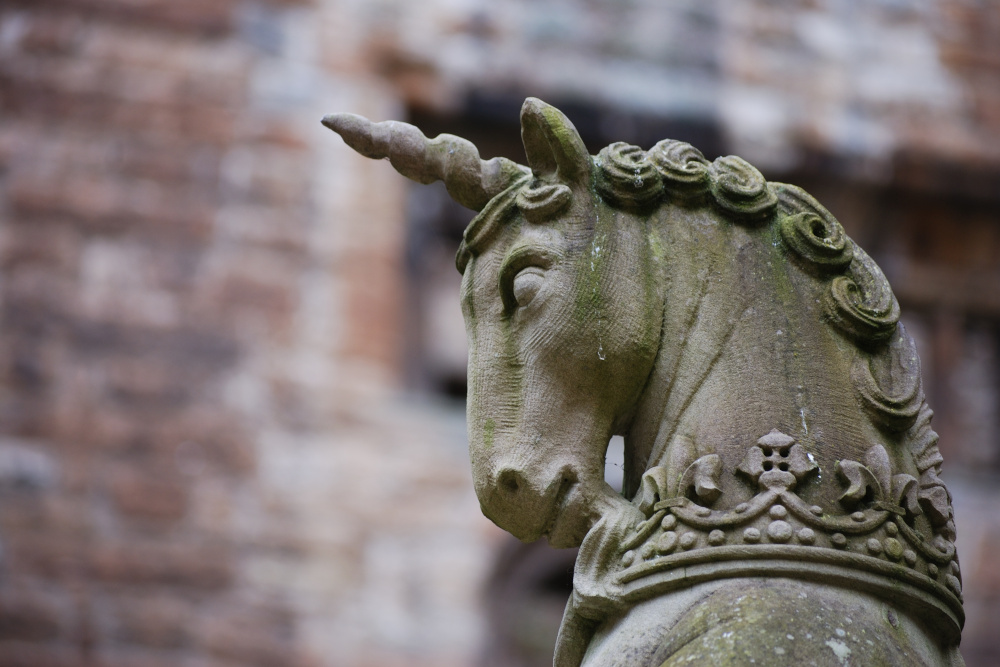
(871, 539)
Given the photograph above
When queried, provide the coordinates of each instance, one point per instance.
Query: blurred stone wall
(207, 453)
(204, 457)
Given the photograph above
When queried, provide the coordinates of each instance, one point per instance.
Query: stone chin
(585, 504)
(572, 519)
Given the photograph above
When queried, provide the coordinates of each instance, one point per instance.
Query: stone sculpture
(781, 503)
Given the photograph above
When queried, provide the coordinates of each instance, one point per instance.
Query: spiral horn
(471, 181)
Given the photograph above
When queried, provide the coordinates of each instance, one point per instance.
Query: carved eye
(526, 284)
(523, 273)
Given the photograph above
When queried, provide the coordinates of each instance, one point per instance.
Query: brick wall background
(215, 444)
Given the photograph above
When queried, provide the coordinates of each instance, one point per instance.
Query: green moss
(589, 302)
(657, 247)
(488, 430)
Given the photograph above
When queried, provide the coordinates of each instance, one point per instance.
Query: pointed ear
(554, 148)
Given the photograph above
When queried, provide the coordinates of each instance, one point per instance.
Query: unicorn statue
(781, 502)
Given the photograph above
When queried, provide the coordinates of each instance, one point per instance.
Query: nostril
(509, 481)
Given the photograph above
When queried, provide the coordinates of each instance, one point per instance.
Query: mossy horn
(471, 181)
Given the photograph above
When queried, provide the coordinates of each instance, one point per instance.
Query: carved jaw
(583, 509)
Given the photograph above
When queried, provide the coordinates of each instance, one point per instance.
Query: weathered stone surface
(750, 353)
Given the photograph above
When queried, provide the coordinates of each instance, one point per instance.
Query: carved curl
(740, 189)
(820, 245)
(682, 167)
(488, 223)
(541, 202)
(888, 384)
(631, 178)
(923, 443)
(861, 304)
(814, 236)
(626, 177)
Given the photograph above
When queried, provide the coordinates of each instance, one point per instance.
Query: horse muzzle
(526, 505)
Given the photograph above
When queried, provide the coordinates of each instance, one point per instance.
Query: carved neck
(743, 350)
(682, 277)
